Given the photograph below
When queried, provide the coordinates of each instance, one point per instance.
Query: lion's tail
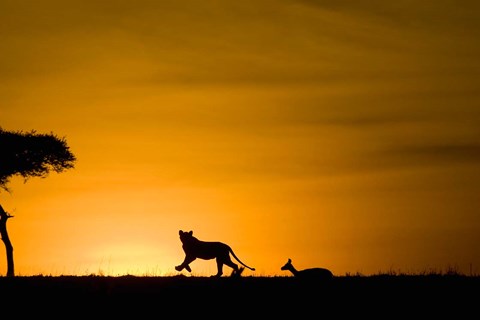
(235, 256)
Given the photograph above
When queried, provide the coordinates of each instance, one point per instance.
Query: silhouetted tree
(28, 154)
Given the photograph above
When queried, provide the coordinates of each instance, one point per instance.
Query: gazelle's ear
(190, 232)
(289, 260)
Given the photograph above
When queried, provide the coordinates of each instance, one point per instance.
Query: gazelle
(311, 273)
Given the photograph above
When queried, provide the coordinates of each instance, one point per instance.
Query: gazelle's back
(315, 273)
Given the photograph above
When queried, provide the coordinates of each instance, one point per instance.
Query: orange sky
(340, 134)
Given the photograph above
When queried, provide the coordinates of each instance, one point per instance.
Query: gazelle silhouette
(311, 273)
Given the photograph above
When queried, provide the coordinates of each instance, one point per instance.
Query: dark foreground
(256, 297)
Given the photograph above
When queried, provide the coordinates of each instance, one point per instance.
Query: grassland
(381, 296)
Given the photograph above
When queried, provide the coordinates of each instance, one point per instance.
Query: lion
(195, 248)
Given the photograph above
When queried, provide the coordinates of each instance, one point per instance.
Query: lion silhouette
(207, 250)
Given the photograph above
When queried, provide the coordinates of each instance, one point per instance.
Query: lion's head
(185, 236)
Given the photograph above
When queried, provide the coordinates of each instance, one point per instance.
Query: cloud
(434, 154)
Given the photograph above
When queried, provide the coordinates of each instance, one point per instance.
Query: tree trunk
(6, 240)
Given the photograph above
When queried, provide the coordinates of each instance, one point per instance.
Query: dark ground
(383, 297)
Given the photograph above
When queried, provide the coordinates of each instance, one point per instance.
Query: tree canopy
(31, 154)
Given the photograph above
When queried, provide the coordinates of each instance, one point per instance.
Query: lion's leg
(228, 261)
(232, 265)
(185, 264)
(219, 268)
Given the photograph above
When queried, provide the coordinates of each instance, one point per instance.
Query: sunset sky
(342, 134)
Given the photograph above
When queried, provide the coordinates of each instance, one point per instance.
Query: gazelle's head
(288, 265)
